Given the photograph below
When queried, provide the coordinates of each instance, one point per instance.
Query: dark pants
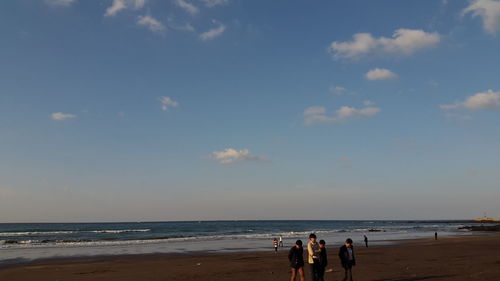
(348, 273)
(321, 273)
(313, 271)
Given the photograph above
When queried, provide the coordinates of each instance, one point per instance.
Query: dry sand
(454, 258)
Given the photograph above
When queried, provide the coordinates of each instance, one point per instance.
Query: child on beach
(296, 258)
(347, 259)
(275, 243)
(313, 256)
(323, 260)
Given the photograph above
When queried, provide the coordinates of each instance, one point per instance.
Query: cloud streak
(318, 114)
(213, 33)
(489, 100)
(60, 3)
(167, 102)
(488, 11)
(380, 74)
(403, 42)
(120, 5)
(231, 156)
(59, 116)
(186, 6)
(151, 23)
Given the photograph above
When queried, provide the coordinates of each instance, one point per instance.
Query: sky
(145, 110)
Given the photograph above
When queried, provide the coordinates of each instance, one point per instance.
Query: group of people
(317, 259)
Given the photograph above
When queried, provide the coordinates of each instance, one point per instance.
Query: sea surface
(29, 241)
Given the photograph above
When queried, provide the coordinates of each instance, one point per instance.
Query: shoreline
(76, 258)
(448, 258)
(211, 253)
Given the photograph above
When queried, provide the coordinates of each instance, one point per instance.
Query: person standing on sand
(347, 259)
(323, 260)
(275, 243)
(296, 258)
(366, 241)
(435, 236)
(281, 241)
(313, 256)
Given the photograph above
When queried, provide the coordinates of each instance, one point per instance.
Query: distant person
(366, 241)
(313, 256)
(281, 241)
(296, 258)
(435, 236)
(347, 259)
(323, 260)
(275, 243)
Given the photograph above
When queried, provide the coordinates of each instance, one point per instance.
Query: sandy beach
(452, 258)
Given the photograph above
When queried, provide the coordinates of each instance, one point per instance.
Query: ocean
(29, 241)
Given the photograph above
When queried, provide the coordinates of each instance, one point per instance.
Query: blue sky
(230, 109)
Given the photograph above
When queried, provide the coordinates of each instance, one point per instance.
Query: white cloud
(318, 114)
(184, 27)
(403, 42)
(151, 23)
(59, 116)
(213, 3)
(368, 103)
(212, 33)
(119, 5)
(485, 100)
(337, 90)
(380, 74)
(64, 3)
(314, 110)
(231, 155)
(488, 10)
(188, 7)
(167, 102)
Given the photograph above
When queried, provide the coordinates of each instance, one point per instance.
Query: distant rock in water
(482, 227)
(11, 242)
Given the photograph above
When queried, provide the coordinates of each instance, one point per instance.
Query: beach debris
(198, 264)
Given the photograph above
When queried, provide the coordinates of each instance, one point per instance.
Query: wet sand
(454, 258)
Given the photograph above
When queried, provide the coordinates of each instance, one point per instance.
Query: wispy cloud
(59, 116)
(403, 42)
(213, 3)
(213, 33)
(488, 10)
(318, 114)
(167, 102)
(484, 100)
(151, 23)
(338, 90)
(380, 74)
(183, 27)
(60, 3)
(187, 6)
(459, 117)
(231, 155)
(120, 5)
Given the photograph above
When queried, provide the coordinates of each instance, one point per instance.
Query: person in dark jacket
(347, 259)
(296, 258)
(323, 260)
(366, 241)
